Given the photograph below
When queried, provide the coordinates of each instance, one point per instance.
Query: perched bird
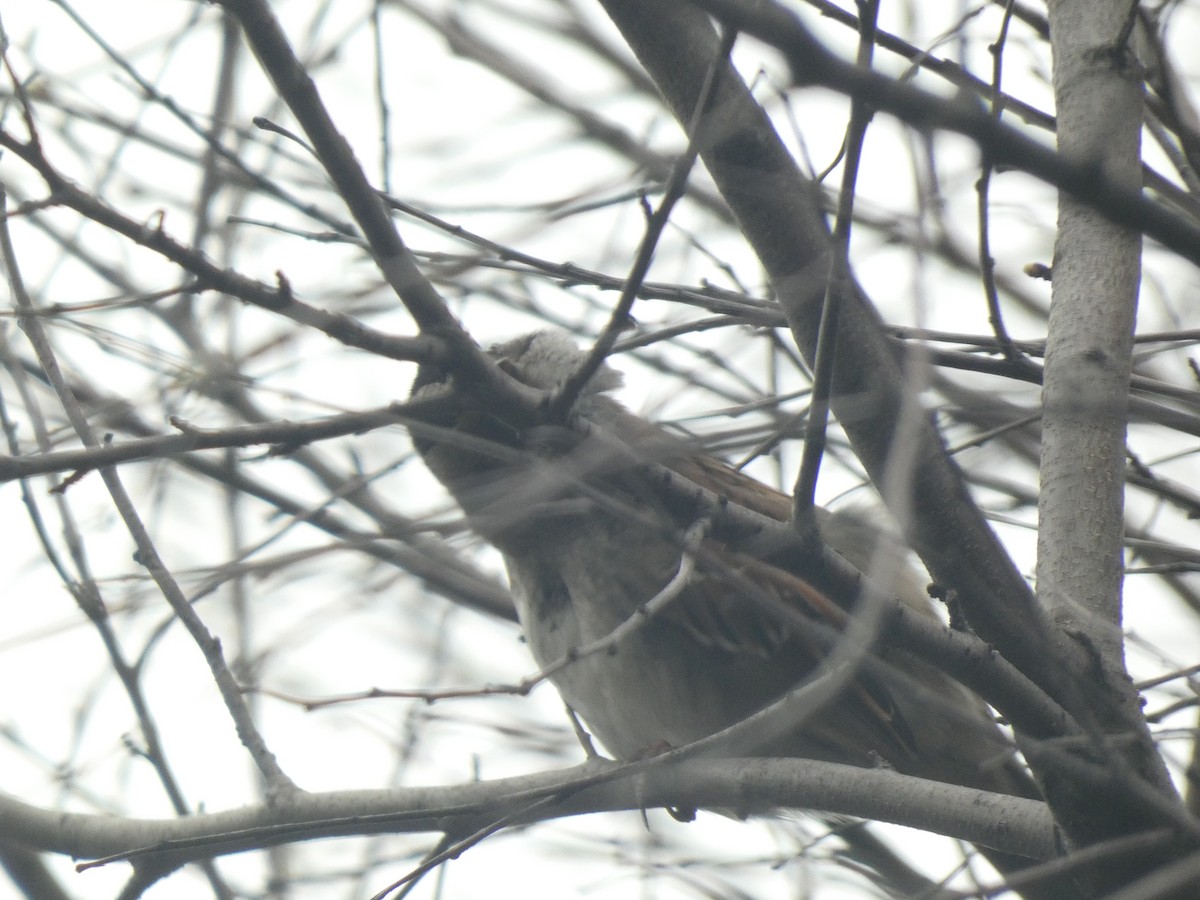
(590, 535)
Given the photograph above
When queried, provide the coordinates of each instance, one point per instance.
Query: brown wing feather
(716, 613)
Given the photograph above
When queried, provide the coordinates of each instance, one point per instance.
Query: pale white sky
(472, 149)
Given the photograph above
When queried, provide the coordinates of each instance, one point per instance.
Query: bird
(590, 533)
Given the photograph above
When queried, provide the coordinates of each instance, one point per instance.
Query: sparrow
(590, 534)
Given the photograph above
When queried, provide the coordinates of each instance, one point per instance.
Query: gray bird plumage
(588, 537)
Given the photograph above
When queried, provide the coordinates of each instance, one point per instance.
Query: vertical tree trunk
(1097, 271)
